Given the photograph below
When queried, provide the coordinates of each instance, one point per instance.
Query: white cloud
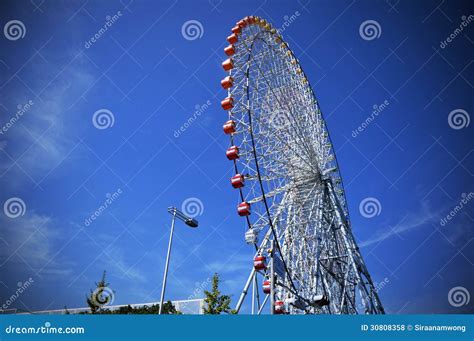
(29, 239)
(237, 263)
(410, 222)
(44, 134)
(115, 260)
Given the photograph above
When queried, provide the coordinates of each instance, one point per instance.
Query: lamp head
(191, 222)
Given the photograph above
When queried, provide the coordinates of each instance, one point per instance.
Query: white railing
(192, 307)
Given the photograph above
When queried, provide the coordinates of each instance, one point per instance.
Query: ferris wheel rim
(269, 215)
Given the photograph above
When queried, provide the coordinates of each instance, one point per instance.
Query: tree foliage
(100, 298)
(215, 302)
(168, 309)
(97, 298)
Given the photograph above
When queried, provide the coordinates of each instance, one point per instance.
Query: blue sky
(152, 80)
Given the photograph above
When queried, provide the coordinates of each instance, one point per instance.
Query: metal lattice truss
(292, 182)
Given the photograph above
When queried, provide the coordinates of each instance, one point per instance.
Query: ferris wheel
(291, 192)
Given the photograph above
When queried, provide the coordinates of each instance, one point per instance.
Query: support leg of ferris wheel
(244, 291)
(272, 278)
(253, 273)
(356, 260)
(253, 294)
(263, 304)
(251, 276)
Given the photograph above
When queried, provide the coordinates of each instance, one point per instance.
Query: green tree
(96, 299)
(168, 309)
(99, 298)
(216, 303)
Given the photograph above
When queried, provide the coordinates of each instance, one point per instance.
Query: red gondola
(227, 82)
(229, 50)
(267, 288)
(236, 29)
(232, 153)
(227, 103)
(237, 181)
(228, 64)
(243, 209)
(279, 307)
(229, 127)
(232, 39)
(259, 263)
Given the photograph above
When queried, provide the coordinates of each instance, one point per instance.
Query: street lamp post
(191, 222)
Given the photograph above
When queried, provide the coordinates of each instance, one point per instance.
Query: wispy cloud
(30, 240)
(43, 136)
(235, 264)
(411, 221)
(115, 260)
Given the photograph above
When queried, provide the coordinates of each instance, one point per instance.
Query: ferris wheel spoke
(286, 114)
(283, 104)
(259, 68)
